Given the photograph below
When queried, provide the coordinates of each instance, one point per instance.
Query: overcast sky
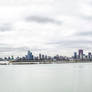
(46, 26)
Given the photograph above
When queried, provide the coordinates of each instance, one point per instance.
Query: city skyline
(79, 54)
(45, 26)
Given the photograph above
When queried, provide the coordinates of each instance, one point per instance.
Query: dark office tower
(43, 57)
(9, 58)
(75, 55)
(80, 54)
(89, 55)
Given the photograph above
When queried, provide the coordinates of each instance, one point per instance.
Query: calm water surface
(46, 78)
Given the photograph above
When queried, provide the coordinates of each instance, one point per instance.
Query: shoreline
(43, 62)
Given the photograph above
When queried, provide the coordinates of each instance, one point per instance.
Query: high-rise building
(29, 55)
(80, 54)
(40, 56)
(75, 55)
(43, 57)
(46, 57)
(89, 55)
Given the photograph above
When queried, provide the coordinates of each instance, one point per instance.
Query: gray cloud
(5, 27)
(37, 49)
(7, 48)
(72, 43)
(89, 18)
(87, 33)
(41, 19)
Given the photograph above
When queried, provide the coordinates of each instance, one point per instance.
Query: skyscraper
(29, 55)
(40, 56)
(80, 54)
(43, 57)
(89, 55)
(75, 55)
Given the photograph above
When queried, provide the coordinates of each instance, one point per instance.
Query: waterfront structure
(75, 55)
(89, 56)
(56, 57)
(46, 57)
(43, 57)
(78, 56)
(81, 54)
(29, 56)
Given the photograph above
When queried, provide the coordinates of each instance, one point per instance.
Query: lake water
(46, 78)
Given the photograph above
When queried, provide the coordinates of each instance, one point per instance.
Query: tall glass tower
(29, 55)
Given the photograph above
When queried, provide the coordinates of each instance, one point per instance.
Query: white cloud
(73, 16)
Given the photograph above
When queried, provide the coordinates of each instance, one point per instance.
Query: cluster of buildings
(7, 58)
(81, 56)
(78, 56)
(41, 57)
